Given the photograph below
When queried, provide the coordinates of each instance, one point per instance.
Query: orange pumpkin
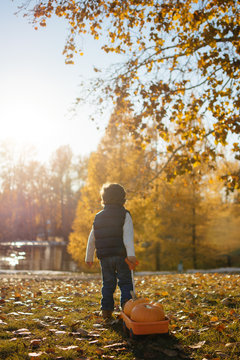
(130, 304)
(157, 304)
(147, 313)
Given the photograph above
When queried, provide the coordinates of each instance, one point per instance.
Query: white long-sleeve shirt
(127, 240)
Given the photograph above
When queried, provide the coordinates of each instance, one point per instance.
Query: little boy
(112, 237)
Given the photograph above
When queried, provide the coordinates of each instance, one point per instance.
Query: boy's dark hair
(113, 194)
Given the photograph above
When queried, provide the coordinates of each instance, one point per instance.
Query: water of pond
(35, 255)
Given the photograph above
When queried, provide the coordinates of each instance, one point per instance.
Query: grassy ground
(60, 319)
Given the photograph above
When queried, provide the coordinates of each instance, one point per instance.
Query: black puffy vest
(108, 231)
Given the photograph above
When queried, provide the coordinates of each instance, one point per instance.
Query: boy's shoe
(107, 314)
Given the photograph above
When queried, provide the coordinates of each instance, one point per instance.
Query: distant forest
(38, 200)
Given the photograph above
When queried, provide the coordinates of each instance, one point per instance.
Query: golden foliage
(173, 221)
(182, 61)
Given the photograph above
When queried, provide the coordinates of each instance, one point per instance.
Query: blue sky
(37, 88)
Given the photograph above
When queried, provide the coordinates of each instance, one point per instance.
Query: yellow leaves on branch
(43, 23)
(191, 47)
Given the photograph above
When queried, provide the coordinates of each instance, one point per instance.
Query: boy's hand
(133, 260)
(89, 263)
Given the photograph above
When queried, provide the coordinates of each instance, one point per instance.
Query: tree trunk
(157, 256)
(194, 250)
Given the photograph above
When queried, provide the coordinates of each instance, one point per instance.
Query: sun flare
(30, 117)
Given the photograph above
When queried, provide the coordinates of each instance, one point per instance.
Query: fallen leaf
(66, 348)
(35, 355)
(38, 293)
(115, 345)
(17, 296)
(198, 345)
(97, 325)
(221, 354)
(52, 330)
(94, 334)
(120, 349)
(35, 343)
(99, 351)
(232, 344)
(227, 301)
(21, 330)
(24, 313)
(93, 342)
(82, 332)
(214, 319)
(14, 313)
(203, 329)
(220, 327)
(60, 332)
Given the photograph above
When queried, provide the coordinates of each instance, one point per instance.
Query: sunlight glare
(30, 117)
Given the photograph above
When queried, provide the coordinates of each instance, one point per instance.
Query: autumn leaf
(220, 327)
(17, 296)
(234, 344)
(198, 345)
(214, 319)
(99, 351)
(115, 345)
(35, 355)
(70, 347)
(35, 343)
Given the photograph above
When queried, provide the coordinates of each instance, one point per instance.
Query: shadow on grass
(152, 347)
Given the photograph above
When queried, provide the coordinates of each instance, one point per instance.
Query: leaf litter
(48, 319)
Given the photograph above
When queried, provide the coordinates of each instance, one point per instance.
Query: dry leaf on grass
(99, 351)
(232, 344)
(35, 343)
(70, 347)
(198, 345)
(35, 355)
(115, 345)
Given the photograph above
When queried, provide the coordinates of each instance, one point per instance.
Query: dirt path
(46, 275)
(61, 275)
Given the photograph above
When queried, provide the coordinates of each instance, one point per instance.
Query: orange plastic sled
(144, 328)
